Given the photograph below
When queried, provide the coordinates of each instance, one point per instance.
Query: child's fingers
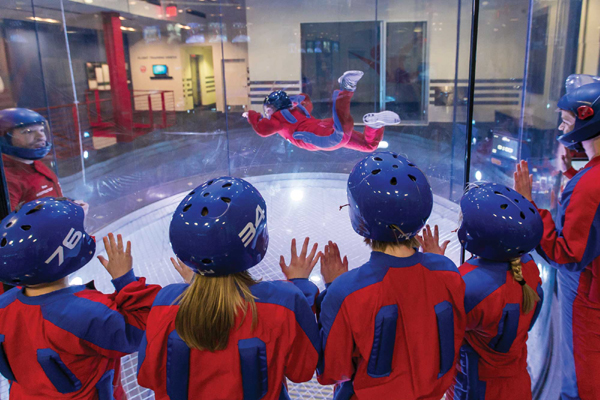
(107, 246)
(304, 248)
(128, 250)
(345, 263)
(293, 250)
(119, 242)
(436, 234)
(313, 252)
(282, 264)
(103, 261)
(175, 264)
(446, 243)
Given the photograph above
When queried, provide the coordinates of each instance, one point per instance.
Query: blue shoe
(349, 80)
(381, 119)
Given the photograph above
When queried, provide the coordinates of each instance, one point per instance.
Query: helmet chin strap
(24, 153)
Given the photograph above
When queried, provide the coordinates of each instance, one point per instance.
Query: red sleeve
(307, 103)
(123, 321)
(337, 363)
(569, 248)
(303, 356)
(263, 126)
(570, 173)
(14, 191)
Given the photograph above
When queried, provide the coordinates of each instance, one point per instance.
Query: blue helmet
(13, 118)
(220, 227)
(279, 100)
(43, 242)
(498, 223)
(390, 198)
(583, 100)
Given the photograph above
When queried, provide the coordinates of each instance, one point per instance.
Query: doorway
(195, 63)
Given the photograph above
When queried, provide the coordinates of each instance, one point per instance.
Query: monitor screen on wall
(160, 69)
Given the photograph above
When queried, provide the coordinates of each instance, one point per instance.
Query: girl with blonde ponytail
(503, 297)
(224, 334)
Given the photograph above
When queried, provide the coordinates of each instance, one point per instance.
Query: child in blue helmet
(570, 241)
(60, 341)
(392, 328)
(503, 297)
(291, 118)
(226, 335)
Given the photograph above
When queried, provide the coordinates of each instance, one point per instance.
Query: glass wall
(146, 99)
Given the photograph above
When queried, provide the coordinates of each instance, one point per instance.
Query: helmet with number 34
(220, 227)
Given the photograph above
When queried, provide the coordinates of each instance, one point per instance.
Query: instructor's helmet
(43, 242)
(14, 118)
(583, 100)
(389, 198)
(278, 100)
(220, 227)
(498, 223)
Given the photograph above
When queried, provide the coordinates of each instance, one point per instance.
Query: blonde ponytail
(530, 297)
(209, 307)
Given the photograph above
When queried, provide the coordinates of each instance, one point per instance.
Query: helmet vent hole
(228, 184)
(187, 207)
(26, 227)
(508, 189)
(209, 183)
(206, 261)
(411, 165)
(532, 210)
(394, 166)
(9, 224)
(394, 181)
(395, 156)
(34, 209)
(497, 192)
(375, 171)
(378, 159)
(522, 215)
(204, 212)
(226, 199)
(504, 206)
(412, 178)
(3, 242)
(206, 194)
(192, 193)
(516, 201)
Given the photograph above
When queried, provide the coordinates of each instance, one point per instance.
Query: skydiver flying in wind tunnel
(290, 116)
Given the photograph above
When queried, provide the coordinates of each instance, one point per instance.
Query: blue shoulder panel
(8, 297)
(483, 281)
(287, 295)
(436, 262)
(168, 294)
(93, 322)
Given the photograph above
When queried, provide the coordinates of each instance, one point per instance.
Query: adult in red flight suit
(503, 292)
(392, 328)
(292, 119)
(226, 335)
(24, 142)
(60, 341)
(571, 244)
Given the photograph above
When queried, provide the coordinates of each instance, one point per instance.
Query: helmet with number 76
(220, 227)
(43, 242)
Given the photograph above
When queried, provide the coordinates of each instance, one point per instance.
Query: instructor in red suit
(24, 142)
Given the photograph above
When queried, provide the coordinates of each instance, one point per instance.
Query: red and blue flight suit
(297, 125)
(66, 344)
(392, 328)
(285, 342)
(572, 246)
(494, 354)
(498, 226)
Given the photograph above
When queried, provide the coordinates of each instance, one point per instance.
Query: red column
(115, 55)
